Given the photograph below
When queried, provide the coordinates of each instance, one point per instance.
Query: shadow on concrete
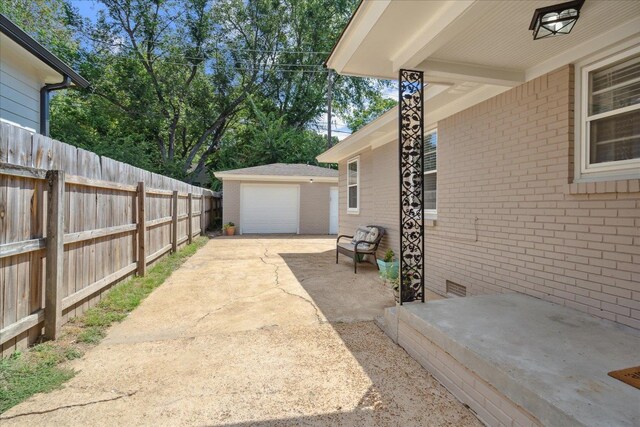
(341, 295)
(401, 391)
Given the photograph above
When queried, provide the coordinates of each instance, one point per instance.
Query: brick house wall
(509, 220)
(314, 204)
(508, 162)
(379, 195)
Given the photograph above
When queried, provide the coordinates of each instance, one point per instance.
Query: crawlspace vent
(455, 290)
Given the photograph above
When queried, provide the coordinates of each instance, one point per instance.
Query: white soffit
(378, 31)
(18, 56)
(500, 38)
(480, 49)
(486, 41)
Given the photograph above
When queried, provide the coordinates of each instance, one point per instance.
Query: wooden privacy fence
(73, 223)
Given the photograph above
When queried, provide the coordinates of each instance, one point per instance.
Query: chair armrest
(341, 236)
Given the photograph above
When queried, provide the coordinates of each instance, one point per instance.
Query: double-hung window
(353, 186)
(430, 172)
(610, 122)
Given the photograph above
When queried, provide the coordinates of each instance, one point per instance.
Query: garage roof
(281, 172)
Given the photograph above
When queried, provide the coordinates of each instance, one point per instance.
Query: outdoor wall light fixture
(555, 20)
(311, 180)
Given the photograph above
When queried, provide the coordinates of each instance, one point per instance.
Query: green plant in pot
(388, 266)
(229, 228)
(407, 292)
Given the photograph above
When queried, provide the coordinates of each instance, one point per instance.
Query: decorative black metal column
(411, 152)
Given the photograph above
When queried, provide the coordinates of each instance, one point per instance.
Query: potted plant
(407, 291)
(388, 266)
(229, 228)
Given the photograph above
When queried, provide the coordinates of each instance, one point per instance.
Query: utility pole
(329, 100)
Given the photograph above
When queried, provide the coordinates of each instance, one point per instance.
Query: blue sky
(87, 8)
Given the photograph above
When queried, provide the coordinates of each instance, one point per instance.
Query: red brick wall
(508, 162)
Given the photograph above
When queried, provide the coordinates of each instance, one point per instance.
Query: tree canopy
(179, 87)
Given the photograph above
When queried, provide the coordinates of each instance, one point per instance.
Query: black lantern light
(555, 20)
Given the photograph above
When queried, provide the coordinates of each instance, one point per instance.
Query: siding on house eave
(19, 94)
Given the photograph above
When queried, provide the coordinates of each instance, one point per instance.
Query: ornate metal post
(411, 156)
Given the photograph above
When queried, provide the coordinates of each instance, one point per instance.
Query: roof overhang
(274, 178)
(476, 49)
(471, 40)
(50, 68)
(442, 100)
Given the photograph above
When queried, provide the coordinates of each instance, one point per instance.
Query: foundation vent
(455, 290)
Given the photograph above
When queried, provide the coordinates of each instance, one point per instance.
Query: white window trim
(432, 213)
(618, 170)
(356, 210)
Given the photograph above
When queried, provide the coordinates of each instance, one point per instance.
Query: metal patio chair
(365, 241)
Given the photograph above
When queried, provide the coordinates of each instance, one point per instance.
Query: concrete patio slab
(252, 332)
(548, 359)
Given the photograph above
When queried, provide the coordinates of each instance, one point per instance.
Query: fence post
(212, 218)
(214, 210)
(219, 208)
(142, 231)
(190, 214)
(202, 213)
(55, 254)
(210, 222)
(174, 223)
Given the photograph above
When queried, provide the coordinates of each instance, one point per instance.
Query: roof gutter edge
(27, 42)
(275, 178)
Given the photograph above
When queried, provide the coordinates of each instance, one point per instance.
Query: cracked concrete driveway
(252, 331)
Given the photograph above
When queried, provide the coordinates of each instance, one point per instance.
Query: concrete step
(518, 360)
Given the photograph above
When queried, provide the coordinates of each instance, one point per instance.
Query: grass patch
(41, 367)
(90, 335)
(22, 375)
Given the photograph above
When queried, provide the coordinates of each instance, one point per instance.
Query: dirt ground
(252, 332)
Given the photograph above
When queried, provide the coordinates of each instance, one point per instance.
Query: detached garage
(281, 199)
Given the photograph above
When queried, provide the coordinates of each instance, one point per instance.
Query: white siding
(19, 93)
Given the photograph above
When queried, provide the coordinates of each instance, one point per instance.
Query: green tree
(170, 80)
(51, 22)
(266, 139)
(377, 106)
(185, 77)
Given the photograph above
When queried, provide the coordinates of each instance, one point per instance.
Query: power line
(312, 68)
(291, 68)
(217, 49)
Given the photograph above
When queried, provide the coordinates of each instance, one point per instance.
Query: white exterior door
(333, 210)
(269, 208)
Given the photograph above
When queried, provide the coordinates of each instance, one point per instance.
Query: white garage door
(269, 208)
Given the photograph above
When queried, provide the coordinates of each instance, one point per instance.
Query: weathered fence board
(55, 254)
(103, 214)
